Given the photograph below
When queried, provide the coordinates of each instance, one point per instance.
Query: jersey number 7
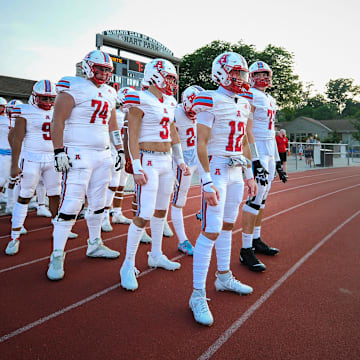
(101, 112)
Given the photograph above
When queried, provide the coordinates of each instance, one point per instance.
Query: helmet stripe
(106, 57)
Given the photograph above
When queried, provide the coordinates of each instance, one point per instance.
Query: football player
(84, 115)
(152, 133)
(222, 117)
(32, 138)
(185, 121)
(264, 156)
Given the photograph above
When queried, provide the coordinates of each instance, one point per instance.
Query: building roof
(340, 125)
(15, 88)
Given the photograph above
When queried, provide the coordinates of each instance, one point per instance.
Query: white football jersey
(4, 132)
(187, 132)
(37, 144)
(264, 113)
(229, 123)
(88, 124)
(158, 115)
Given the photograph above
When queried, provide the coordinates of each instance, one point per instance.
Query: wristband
(115, 137)
(206, 178)
(137, 168)
(248, 173)
(254, 152)
(58, 151)
(178, 154)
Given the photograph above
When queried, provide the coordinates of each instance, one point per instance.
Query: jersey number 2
(230, 145)
(191, 139)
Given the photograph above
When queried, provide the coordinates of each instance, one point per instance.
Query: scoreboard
(126, 72)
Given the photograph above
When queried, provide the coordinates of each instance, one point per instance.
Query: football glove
(62, 160)
(282, 174)
(260, 173)
(120, 160)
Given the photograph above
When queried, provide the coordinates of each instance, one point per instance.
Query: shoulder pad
(67, 83)
(132, 98)
(203, 102)
(247, 95)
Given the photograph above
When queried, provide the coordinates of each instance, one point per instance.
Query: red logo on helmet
(191, 98)
(159, 65)
(223, 59)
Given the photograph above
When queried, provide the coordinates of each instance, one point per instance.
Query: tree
(195, 68)
(340, 90)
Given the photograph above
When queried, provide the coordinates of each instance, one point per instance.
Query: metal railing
(304, 155)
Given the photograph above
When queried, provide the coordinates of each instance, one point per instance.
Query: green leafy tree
(341, 90)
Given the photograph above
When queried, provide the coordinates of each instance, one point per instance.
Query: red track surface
(306, 305)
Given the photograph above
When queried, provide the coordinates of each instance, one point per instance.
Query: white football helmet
(260, 81)
(3, 104)
(43, 94)
(10, 106)
(230, 70)
(121, 95)
(162, 74)
(187, 99)
(98, 66)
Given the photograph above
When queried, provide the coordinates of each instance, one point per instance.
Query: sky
(44, 40)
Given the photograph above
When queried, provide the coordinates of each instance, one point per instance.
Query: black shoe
(248, 258)
(262, 248)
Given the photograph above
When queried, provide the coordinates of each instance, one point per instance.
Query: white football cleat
(200, 308)
(97, 249)
(227, 282)
(33, 204)
(128, 276)
(8, 210)
(120, 219)
(43, 211)
(106, 226)
(162, 262)
(167, 231)
(146, 239)
(56, 265)
(12, 247)
(72, 235)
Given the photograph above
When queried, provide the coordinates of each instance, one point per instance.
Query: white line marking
(241, 320)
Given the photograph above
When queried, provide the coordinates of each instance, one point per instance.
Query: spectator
(282, 145)
(301, 151)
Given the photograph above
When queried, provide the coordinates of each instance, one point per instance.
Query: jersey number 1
(230, 145)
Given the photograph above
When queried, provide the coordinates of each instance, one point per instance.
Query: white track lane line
(241, 320)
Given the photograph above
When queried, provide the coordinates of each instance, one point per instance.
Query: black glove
(282, 174)
(260, 173)
(62, 161)
(120, 160)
